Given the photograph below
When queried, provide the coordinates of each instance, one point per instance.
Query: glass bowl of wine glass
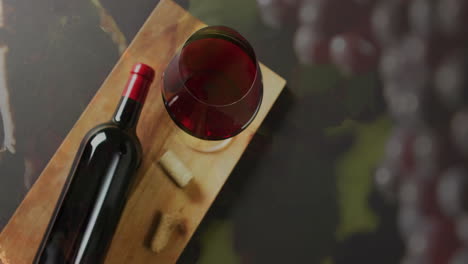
(212, 87)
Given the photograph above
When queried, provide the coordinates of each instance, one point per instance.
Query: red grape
(422, 14)
(450, 81)
(278, 13)
(452, 15)
(328, 17)
(390, 21)
(387, 180)
(462, 227)
(426, 154)
(353, 54)
(311, 47)
(434, 239)
(460, 257)
(409, 218)
(452, 192)
(459, 128)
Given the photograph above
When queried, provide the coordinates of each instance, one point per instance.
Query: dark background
(302, 193)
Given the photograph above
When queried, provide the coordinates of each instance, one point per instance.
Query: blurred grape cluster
(423, 69)
(420, 50)
(327, 31)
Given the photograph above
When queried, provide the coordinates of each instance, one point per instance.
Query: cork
(175, 168)
(168, 225)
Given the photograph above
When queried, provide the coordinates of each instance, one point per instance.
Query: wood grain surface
(154, 192)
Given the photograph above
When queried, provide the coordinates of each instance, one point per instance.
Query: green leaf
(360, 93)
(354, 176)
(217, 244)
(327, 260)
(315, 79)
(238, 14)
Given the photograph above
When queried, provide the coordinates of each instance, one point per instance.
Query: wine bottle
(96, 190)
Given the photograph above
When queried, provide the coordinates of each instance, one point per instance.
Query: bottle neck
(128, 112)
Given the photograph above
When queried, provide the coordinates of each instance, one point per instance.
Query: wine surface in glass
(212, 88)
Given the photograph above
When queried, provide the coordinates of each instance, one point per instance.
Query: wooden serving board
(165, 30)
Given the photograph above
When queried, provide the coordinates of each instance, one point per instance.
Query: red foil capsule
(139, 82)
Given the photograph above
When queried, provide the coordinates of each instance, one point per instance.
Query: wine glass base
(205, 146)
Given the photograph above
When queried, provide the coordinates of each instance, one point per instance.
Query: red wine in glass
(212, 88)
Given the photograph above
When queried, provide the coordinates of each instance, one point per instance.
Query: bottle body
(93, 198)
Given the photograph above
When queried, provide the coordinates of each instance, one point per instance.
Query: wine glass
(212, 87)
